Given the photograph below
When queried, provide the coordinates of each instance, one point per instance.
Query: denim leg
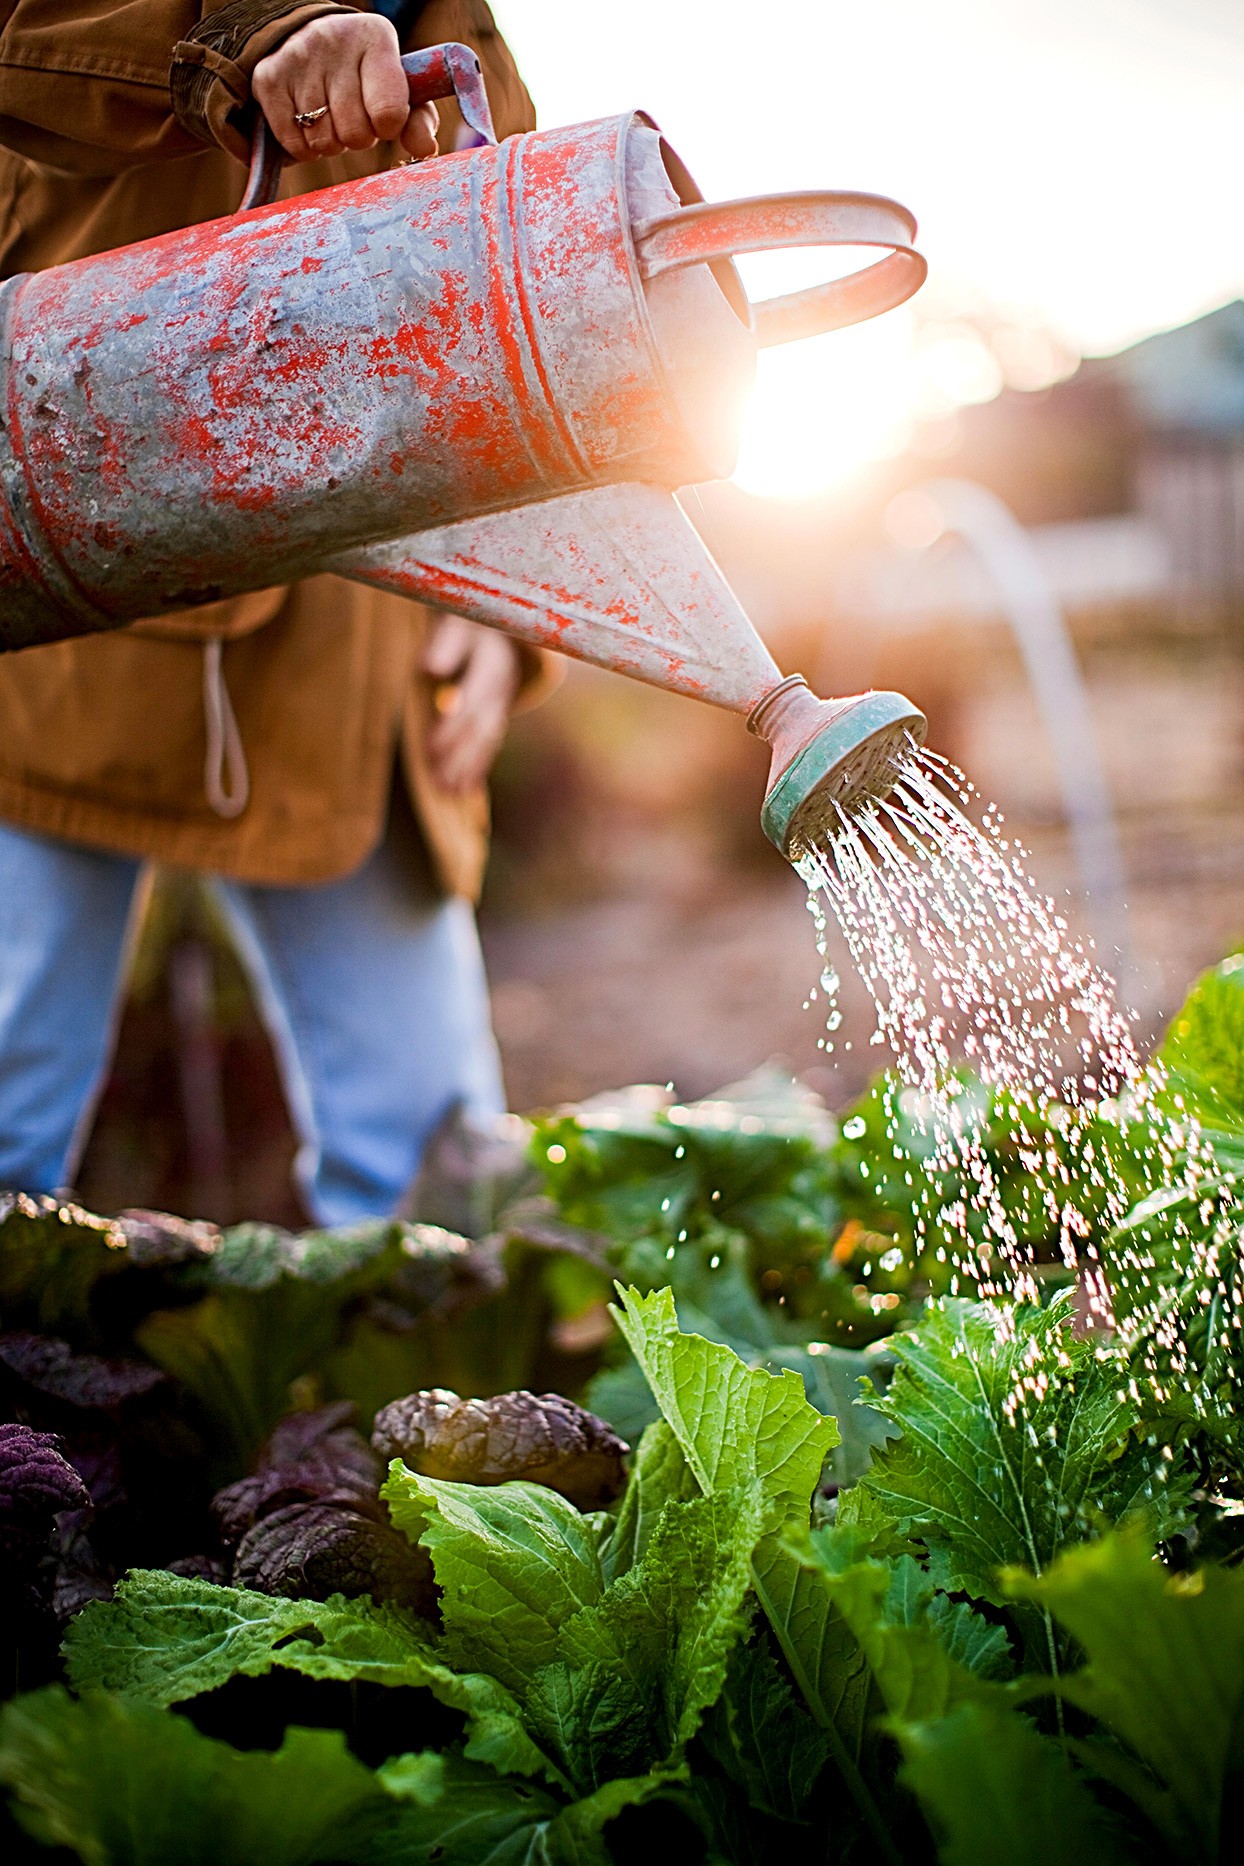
(374, 992)
(64, 917)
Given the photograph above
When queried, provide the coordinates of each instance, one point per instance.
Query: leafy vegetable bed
(891, 1573)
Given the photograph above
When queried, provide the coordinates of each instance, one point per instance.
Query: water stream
(967, 961)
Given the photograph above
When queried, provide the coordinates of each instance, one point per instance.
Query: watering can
(477, 382)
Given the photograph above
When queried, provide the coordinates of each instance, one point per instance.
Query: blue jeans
(372, 989)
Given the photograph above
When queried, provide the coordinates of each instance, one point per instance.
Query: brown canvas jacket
(119, 121)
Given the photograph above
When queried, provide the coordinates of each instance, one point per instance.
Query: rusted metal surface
(476, 381)
(616, 576)
(213, 410)
(704, 233)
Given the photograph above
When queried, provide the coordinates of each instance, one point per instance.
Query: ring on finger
(304, 118)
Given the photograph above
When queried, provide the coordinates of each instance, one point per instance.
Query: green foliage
(1164, 1675)
(1203, 1056)
(761, 1738)
(925, 1652)
(124, 1784)
(1177, 1262)
(613, 1674)
(810, 1626)
(167, 1639)
(272, 1310)
(1016, 1439)
(998, 1794)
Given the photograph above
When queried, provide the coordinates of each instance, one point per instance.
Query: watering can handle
(715, 230)
(437, 71)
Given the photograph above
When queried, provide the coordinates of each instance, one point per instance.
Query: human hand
(352, 63)
(473, 712)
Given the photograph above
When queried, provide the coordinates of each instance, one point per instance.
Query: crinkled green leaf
(736, 1427)
(166, 1639)
(998, 1794)
(1017, 1439)
(1164, 1672)
(635, 1673)
(762, 1738)
(659, 1475)
(613, 1676)
(126, 1784)
(513, 1562)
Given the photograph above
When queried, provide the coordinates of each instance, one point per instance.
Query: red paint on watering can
(237, 404)
(616, 576)
(429, 343)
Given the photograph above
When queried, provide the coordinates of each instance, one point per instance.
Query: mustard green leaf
(513, 1562)
(998, 1794)
(659, 1475)
(1018, 1438)
(126, 1784)
(1164, 1672)
(739, 1426)
(736, 1426)
(906, 1642)
(635, 1673)
(166, 1639)
(760, 1736)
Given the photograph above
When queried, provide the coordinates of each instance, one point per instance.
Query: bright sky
(1073, 165)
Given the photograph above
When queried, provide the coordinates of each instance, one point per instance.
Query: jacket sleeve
(94, 94)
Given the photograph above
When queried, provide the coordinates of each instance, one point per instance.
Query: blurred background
(1020, 499)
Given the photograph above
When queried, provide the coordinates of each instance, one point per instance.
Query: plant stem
(845, 1763)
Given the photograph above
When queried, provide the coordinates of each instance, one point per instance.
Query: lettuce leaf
(1165, 1674)
(994, 1790)
(513, 1563)
(741, 1428)
(167, 1639)
(613, 1664)
(126, 1784)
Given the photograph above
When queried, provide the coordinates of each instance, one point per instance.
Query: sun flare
(822, 409)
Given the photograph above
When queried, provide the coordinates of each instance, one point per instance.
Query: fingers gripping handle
(437, 71)
(451, 71)
(716, 230)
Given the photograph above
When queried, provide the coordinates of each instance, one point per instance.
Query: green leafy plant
(950, 1596)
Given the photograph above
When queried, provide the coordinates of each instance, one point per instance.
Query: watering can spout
(829, 757)
(619, 577)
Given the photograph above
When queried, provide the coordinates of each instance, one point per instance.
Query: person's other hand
(477, 672)
(352, 63)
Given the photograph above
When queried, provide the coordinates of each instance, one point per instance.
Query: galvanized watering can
(476, 381)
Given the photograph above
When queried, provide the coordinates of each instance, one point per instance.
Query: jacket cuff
(210, 77)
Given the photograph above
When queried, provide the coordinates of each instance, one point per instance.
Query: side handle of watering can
(715, 230)
(437, 71)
